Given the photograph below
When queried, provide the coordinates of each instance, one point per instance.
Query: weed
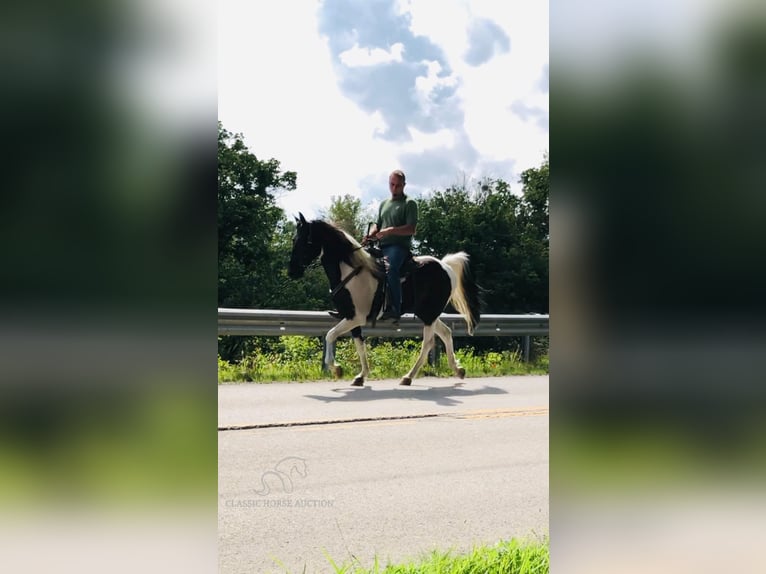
(295, 358)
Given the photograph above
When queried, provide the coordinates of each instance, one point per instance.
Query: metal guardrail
(268, 322)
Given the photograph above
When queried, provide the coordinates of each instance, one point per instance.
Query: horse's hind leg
(361, 350)
(428, 343)
(445, 334)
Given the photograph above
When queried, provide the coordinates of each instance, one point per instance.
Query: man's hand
(372, 235)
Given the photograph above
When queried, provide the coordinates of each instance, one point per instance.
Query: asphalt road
(317, 471)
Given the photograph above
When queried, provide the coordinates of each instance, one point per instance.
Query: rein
(348, 278)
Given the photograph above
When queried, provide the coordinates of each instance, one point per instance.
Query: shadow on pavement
(445, 396)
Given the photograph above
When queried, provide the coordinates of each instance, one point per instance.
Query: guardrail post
(325, 368)
(433, 354)
(526, 346)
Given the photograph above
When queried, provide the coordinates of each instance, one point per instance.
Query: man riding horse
(397, 222)
(394, 228)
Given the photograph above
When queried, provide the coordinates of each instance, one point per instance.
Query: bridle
(356, 271)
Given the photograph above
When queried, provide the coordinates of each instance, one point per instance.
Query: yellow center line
(465, 415)
(501, 413)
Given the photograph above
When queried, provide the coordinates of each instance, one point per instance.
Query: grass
(505, 557)
(295, 358)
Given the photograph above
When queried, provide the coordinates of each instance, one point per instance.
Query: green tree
(247, 219)
(505, 234)
(536, 191)
(346, 212)
(534, 237)
(255, 241)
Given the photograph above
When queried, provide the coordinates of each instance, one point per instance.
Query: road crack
(480, 414)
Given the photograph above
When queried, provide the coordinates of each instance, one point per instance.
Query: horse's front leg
(344, 326)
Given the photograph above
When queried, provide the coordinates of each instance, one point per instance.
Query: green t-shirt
(394, 213)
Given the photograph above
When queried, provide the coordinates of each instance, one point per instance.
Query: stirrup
(389, 316)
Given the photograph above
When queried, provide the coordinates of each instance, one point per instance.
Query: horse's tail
(465, 295)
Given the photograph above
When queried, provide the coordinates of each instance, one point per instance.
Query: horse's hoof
(461, 373)
(337, 371)
(406, 381)
(358, 382)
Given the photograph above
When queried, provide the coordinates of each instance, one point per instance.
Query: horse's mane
(345, 247)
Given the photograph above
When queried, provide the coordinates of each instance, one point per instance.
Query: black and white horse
(354, 275)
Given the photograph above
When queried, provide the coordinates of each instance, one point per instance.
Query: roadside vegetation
(296, 358)
(505, 557)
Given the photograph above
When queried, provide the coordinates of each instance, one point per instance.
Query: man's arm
(375, 226)
(407, 229)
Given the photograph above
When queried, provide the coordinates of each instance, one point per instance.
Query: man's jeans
(395, 255)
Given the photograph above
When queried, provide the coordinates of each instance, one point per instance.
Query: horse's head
(305, 249)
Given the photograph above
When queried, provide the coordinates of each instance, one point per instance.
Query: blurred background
(108, 278)
(658, 326)
(107, 282)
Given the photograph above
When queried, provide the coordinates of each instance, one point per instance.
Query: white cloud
(488, 91)
(493, 127)
(278, 87)
(422, 140)
(425, 86)
(443, 22)
(357, 57)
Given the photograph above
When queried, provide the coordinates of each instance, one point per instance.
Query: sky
(345, 91)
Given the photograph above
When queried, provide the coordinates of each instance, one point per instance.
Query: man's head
(396, 183)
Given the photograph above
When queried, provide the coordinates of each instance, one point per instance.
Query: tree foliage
(255, 239)
(247, 218)
(347, 213)
(505, 234)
